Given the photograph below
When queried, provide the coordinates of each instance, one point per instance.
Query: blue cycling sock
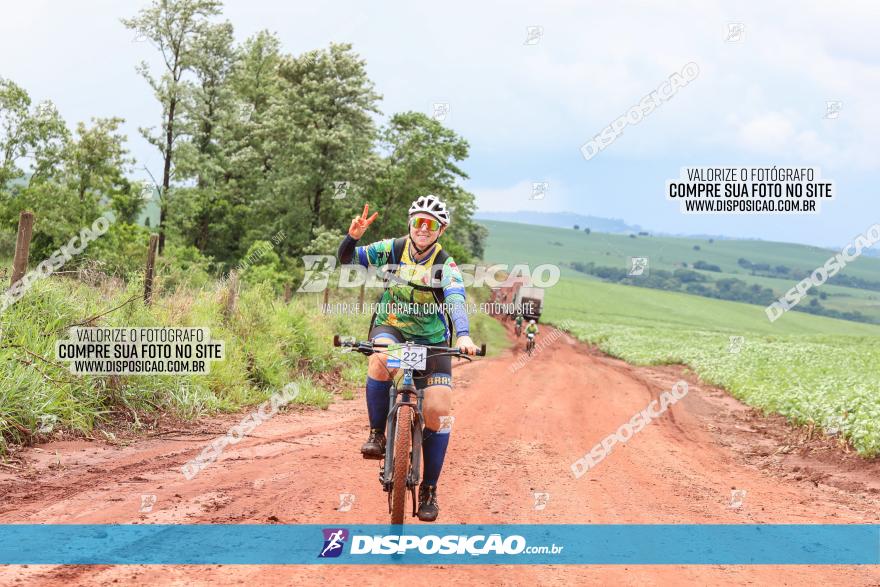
(434, 445)
(377, 402)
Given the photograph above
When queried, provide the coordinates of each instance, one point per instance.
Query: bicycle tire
(402, 456)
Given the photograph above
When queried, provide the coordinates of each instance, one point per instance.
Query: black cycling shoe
(428, 508)
(374, 447)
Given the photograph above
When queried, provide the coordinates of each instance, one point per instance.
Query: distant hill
(758, 264)
(561, 220)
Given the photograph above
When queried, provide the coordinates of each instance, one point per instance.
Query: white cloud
(523, 196)
(768, 133)
(761, 101)
(592, 63)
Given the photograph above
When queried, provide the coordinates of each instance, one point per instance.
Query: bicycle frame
(404, 394)
(407, 392)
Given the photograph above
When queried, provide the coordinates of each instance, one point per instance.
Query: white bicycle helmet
(432, 205)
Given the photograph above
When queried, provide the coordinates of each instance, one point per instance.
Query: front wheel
(402, 455)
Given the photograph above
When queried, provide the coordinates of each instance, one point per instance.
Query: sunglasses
(418, 222)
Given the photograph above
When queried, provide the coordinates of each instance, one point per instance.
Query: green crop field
(507, 240)
(561, 246)
(811, 369)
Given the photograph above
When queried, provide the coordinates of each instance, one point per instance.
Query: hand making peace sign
(360, 223)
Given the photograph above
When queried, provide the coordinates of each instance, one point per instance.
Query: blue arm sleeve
(459, 316)
(453, 292)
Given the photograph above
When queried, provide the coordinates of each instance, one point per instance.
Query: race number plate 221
(409, 357)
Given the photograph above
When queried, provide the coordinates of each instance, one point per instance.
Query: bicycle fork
(407, 392)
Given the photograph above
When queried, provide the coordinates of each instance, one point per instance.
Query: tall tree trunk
(202, 235)
(166, 173)
(316, 208)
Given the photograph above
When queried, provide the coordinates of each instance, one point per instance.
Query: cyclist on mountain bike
(531, 334)
(422, 274)
(532, 328)
(519, 321)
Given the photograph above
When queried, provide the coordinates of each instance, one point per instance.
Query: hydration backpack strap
(396, 253)
(440, 259)
(439, 295)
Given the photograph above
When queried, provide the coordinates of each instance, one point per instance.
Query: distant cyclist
(531, 334)
(532, 328)
(519, 322)
(426, 275)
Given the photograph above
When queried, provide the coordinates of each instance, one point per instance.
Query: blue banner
(625, 544)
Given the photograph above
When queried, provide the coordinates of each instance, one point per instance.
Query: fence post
(151, 265)
(288, 293)
(22, 245)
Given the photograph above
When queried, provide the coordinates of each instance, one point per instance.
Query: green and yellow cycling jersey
(409, 303)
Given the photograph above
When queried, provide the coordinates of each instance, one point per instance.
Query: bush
(182, 266)
(121, 250)
(688, 276)
(261, 264)
(707, 266)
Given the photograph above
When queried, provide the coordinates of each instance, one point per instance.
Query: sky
(526, 103)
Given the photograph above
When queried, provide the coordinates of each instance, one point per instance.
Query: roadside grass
(488, 330)
(268, 344)
(311, 394)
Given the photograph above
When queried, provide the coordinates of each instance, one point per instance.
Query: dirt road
(514, 435)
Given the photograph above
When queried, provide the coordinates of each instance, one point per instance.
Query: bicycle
(518, 330)
(403, 446)
(530, 343)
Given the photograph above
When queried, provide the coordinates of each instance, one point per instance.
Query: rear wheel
(402, 455)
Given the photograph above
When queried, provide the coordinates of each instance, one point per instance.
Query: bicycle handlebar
(367, 347)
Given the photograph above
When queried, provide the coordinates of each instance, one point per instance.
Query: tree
(96, 161)
(202, 156)
(324, 131)
(175, 28)
(210, 99)
(89, 176)
(422, 158)
(14, 140)
(577, 227)
(238, 205)
(71, 179)
(35, 133)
